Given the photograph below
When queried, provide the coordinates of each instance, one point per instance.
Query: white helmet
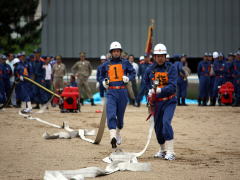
(215, 55)
(15, 61)
(167, 56)
(160, 49)
(141, 58)
(103, 57)
(115, 45)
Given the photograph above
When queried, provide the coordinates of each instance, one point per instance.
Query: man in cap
(229, 68)
(39, 73)
(58, 72)
(133, 83)
(22, 91)
(115, 74)
(212, 80)
(48, 75)
(161, 80)
(182, 82)
(82, 70)
(236, 75)
(2, 90)
(10, 61)
(203, 71)
(99, 84)
(168, 58)
(142, 69)
(7, 73)
(141, 60)
(219, 67)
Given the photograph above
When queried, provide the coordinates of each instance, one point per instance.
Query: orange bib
(115, 72)
(162, 77)
(25, 72)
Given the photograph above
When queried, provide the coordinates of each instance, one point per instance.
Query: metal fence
(185, 26)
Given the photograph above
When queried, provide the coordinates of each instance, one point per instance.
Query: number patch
(162, 77)
(115, 72)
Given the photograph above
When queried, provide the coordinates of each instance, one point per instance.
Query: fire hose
(118, 161)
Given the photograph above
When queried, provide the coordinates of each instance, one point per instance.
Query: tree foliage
(19, 28)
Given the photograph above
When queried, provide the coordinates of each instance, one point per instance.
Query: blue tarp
(98, 99)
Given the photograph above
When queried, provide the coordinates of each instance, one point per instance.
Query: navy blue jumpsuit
(116, 95)
(143, 90)
(39, 71)
(166, 100)
(203, 72)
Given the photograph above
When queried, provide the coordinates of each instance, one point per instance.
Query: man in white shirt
(10, 62)
(48, 76)
(133, 82)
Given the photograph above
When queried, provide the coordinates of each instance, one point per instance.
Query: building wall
(185, 26)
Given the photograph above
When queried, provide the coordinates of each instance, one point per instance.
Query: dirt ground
(207, 144)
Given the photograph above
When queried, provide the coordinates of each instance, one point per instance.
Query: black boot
(199, 101)
(236, 103)
(36, 107)
(114, 143)
(178, 102)
(204, 102)
(132, 102)
(18, 102)
(211, 101)
(81, 101)
(183, 102)
(214, 101)
(92, 102)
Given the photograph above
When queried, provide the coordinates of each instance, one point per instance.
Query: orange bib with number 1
(115, 72)
(162, 77)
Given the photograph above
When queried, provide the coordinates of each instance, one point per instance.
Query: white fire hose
(117, 161)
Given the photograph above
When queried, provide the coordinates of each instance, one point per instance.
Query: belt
(117, 87)
(166, 98)
(221, 76)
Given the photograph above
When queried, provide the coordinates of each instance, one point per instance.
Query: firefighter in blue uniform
(29, 64)
(219, 67)
(165, 74)
(7, 73)
(39, 76)
(229, 68)
(115, 74)
(182, 81)
(236, 75)
(73, 82)
(2, 90)
(21, 71)
(99, 84)
(203, 72)
(212, 80)
(142, 69)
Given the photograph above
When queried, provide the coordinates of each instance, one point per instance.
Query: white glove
(150, 92)
(158, 90)
(97, 85)
(105, 85)
(21, 78)
(125, 79)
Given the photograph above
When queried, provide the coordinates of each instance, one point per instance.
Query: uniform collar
(159, 66)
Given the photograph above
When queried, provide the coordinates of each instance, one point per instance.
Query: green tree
(19, 29)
